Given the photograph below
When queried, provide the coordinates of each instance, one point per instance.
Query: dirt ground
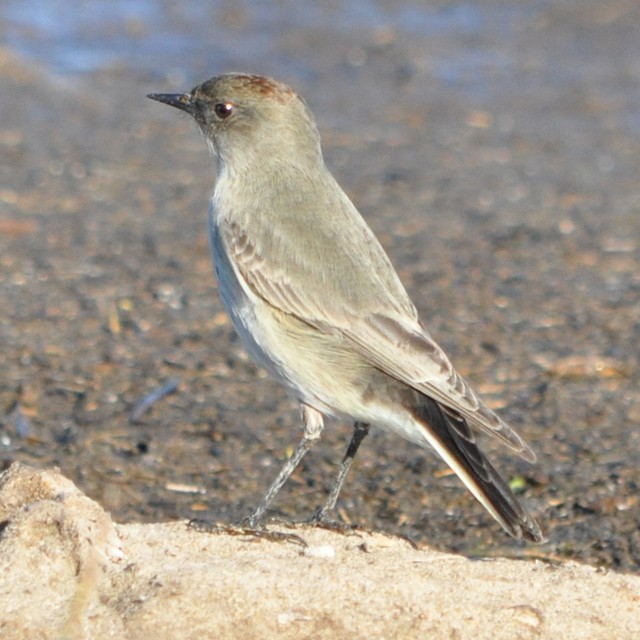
(512, 217)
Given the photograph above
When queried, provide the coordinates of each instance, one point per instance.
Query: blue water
(478, 47)
(79, 36)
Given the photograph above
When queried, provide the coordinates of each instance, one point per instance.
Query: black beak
(183, 101)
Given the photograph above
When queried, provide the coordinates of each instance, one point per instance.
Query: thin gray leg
(360, 430)
(313, 425)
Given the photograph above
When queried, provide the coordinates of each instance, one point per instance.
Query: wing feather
(299, 272)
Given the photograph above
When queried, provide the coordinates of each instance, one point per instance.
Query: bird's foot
(322, 519)
(246, 528)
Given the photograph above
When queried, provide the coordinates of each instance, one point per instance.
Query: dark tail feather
(452, 438)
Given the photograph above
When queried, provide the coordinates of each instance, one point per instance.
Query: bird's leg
(313, 425)
(360, 430)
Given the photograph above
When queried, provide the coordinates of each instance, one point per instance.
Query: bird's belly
(317, 368)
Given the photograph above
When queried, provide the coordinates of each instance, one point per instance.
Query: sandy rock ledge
(68, 571)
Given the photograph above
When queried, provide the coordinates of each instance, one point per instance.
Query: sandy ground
(68, 571)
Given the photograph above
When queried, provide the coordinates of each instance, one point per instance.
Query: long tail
(454, 441)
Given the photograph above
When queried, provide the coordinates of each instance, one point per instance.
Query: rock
(68, 571)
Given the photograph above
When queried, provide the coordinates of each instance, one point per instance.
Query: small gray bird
(317, 302)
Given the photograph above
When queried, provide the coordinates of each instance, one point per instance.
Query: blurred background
(493, 147)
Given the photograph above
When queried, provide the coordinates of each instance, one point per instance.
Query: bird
(317, 303)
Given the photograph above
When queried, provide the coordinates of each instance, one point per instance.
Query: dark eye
(223, 109)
